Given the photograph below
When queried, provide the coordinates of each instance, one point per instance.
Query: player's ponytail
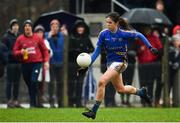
(124, 24)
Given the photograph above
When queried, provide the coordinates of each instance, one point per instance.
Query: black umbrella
(146, 16)
(64, 17)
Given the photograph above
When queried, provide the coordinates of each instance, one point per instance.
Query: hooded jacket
(79, 43)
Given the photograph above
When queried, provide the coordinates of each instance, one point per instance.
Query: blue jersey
(115, 44)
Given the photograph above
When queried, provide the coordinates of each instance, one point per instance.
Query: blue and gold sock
(140, 92)
(96, 106)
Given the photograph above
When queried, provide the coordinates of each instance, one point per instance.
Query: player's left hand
(81, 71)
(154, 50)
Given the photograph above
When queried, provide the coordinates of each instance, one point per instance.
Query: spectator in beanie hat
(12, 22)
(29, 22)
(32, 52)
(13, 68)
(39, 30)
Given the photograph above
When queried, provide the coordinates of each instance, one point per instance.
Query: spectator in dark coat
(13, 66)
(79, 42)
(3, 58)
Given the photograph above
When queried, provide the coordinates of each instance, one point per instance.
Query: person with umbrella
(114, 40)
(56, 41)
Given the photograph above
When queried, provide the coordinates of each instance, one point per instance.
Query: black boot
(89, 114)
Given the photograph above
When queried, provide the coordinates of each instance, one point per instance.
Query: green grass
(104, 115)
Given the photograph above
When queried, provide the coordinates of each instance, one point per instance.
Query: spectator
(13, 66)
(3, 58)
(31, 51)
(156, 32)
(56, 41)
(159, 6)
(79, 42)
(174, 60)
(39, 30)
(150, 66)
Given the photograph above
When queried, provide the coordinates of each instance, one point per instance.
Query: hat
(54, 21)
(39, 28)
(176, 28)
(12, 22)
(27, 22)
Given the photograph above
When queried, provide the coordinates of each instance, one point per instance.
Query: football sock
(139, 92)
(96, 106)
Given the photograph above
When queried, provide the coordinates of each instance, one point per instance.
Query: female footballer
(114, 40)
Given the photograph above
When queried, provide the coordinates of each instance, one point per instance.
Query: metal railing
(113, 2)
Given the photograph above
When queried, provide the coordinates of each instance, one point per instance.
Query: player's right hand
(81, 71)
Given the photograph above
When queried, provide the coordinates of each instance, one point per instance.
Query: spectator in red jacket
(150, 66)
(32, 52)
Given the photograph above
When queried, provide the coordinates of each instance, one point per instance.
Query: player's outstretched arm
(95, 54)
(146, 42)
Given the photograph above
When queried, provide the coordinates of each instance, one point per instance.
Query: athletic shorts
(118, 66)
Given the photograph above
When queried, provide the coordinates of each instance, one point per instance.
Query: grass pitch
(103, 115)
